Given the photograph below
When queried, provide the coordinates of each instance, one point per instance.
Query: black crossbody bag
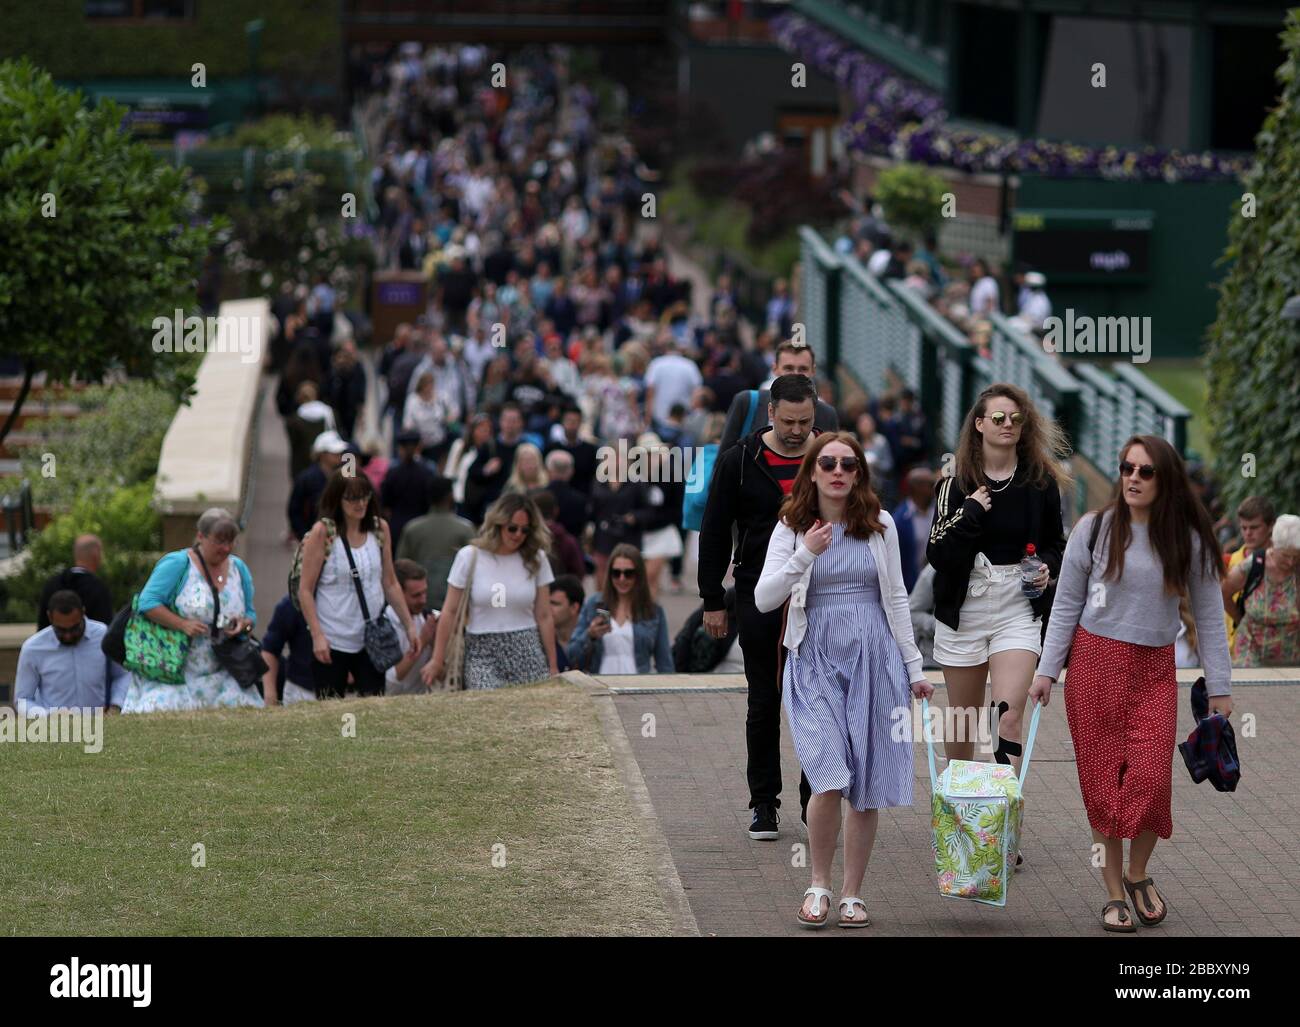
(240, 655)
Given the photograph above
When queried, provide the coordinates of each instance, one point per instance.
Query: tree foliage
(100, 237)
(125, 522)
(911, 198)
(297, 234)
(113, 444)
(1253, 360)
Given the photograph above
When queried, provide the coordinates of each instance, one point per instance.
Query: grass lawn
(1185, 380)
(310, 832)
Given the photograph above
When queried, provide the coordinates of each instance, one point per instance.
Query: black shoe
(763, 826)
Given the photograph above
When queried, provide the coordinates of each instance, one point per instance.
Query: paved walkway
(1228, 870)
(264, 550)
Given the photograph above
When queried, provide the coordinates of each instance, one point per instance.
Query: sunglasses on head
(1146, 472)
(516, 529)
(827, 463)
(622, 572)
(999, 417)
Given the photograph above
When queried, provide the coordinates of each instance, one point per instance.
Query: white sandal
(849, 901)
(820, 893)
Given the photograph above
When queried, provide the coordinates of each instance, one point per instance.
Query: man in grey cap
(328, 449)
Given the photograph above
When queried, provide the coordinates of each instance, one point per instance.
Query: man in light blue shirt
(63, 667)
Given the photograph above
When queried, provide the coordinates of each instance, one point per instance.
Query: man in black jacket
(791, 358)
(87, 553)
(750, 481)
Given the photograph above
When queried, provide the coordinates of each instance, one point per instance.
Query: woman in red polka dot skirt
(1116, 617)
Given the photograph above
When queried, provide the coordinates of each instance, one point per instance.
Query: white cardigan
(789, 563)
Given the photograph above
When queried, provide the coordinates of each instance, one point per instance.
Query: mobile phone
(602, 612)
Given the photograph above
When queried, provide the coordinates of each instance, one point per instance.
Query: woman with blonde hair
(528, 471)
(505, 578)
(853, 662)
(1004, 497)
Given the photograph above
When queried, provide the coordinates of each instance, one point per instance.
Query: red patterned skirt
(1121, 700)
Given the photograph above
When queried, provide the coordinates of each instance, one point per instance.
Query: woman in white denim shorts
(1005, 494)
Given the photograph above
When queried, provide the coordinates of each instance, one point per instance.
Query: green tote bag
(153, 651)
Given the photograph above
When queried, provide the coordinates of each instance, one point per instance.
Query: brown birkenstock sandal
(1125, 925)
(1146, 886)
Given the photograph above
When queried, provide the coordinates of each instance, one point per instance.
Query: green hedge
(114, 443)
(1253, 360)
(126, 523)
(103, 484)
(301, 41)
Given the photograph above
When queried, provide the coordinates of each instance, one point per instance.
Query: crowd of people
(556, 351)
(966, 296)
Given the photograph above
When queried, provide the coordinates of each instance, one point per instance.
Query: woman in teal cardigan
(178, 595)
(635, 630)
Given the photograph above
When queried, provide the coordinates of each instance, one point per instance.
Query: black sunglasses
(1146, 472)
(618, 572)
(516, 529)
(1000, 416)
(827, 463)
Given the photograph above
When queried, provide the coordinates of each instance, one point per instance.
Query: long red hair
(862, 509)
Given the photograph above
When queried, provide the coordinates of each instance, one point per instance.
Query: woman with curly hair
(852, 660)
(505, 577)
(1004, 496)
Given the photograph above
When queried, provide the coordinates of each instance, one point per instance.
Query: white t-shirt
(1036, 309)
(503, 592)
(984, 296)
(733, 662)
(618, 649)
(411, 683)
(673, 377)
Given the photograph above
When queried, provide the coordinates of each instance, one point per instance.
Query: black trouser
(760, 642)
(331, 679)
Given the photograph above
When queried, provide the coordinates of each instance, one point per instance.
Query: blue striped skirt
(844, 692)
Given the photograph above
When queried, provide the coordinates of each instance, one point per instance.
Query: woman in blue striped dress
(834, 555)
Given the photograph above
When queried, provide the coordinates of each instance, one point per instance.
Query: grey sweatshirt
(1136, 608)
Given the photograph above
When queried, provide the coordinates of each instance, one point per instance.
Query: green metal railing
(819, 297)
(877, 329)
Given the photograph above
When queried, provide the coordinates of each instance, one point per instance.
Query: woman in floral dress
(178, 596)
(1269, 633)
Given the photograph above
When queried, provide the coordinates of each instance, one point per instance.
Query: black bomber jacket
(955, 540)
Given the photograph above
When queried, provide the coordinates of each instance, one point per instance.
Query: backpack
(295, 568)
(701, 477)
(1254, 578)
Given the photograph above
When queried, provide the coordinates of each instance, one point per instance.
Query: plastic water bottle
(1030, 567)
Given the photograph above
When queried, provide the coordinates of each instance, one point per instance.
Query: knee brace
(1006, 748)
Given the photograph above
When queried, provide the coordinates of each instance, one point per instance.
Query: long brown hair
(536, 543)
(1176, 507)
(1039, 452)
(862, 509)
(643, 607)
(331, 500)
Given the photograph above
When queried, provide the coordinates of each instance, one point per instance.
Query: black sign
(1084, 247)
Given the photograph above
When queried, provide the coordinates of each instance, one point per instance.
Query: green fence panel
(879, 327)
(1146, 409)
